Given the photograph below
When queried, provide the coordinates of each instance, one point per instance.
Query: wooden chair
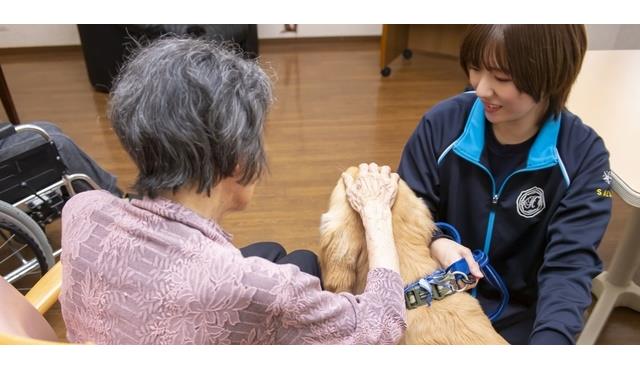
(21, 320)
(7, 102)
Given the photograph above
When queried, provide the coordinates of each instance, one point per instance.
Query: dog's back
(458, 319)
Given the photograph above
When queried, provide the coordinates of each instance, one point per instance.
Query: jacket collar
(543, 152)
(176, 212)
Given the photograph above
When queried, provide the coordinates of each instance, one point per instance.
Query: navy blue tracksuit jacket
(540, 227)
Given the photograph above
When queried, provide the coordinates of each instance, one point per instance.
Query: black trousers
(516, 322)
(306, 260)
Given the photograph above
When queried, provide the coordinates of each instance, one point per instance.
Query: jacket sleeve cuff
(549, 336)
(439, 234)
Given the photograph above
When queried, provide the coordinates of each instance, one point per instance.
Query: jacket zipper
(495, 197)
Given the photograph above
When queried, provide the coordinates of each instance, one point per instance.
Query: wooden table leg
(393, 42)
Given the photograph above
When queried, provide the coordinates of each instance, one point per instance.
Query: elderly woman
(161, 270)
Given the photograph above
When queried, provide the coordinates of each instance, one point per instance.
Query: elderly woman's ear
(237, 172)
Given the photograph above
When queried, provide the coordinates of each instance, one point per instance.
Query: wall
(274, 31)
(613, 36)
(601, 36)
(29, 35)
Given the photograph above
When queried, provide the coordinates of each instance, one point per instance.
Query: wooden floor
(333, 110)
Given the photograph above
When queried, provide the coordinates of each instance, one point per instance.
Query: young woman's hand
(446, 252)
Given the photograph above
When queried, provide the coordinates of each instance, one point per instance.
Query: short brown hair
(542, 59)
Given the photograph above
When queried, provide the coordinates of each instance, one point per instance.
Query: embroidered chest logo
(530, 202)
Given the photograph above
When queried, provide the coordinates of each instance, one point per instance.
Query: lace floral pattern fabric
(154, 272)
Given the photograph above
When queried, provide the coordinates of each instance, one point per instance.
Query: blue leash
(455, 278)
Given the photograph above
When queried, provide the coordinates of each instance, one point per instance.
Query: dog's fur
(457, 319)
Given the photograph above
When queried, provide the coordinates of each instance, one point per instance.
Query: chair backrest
(28, 167)
(20, 320)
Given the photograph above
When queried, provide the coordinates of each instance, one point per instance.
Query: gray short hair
(188, 111)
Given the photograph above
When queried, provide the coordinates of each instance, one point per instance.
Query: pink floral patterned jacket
(154, 272)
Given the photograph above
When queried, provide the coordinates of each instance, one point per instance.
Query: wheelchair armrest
(14, 339)
(6, 130)
(45, 293)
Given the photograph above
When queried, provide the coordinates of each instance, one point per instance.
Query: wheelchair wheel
(24, 248)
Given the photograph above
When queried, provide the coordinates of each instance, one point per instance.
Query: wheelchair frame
(31, 210)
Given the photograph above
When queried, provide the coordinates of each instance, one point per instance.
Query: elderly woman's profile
(159, 269)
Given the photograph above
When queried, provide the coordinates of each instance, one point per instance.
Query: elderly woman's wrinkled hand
(375, 186)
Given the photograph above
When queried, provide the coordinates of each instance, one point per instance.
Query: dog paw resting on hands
(374, 186)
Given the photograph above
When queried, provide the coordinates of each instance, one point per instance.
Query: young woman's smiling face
(503, 102)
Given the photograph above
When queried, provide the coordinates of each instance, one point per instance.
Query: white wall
(28, 35)
(274, 31)
(601, 36)
(613, 36)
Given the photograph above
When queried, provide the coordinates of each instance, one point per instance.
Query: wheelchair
(34, 186)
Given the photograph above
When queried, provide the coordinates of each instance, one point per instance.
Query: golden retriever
(457, 319)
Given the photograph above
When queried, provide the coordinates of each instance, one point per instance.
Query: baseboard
(39, 50)
(317, 40)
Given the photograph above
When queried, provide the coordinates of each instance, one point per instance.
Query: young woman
(519, 176)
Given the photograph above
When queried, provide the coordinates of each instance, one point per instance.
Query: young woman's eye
(474, 68)
(503, 78)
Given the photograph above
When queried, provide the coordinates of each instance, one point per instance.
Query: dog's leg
(339, 253)
(341, 242)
